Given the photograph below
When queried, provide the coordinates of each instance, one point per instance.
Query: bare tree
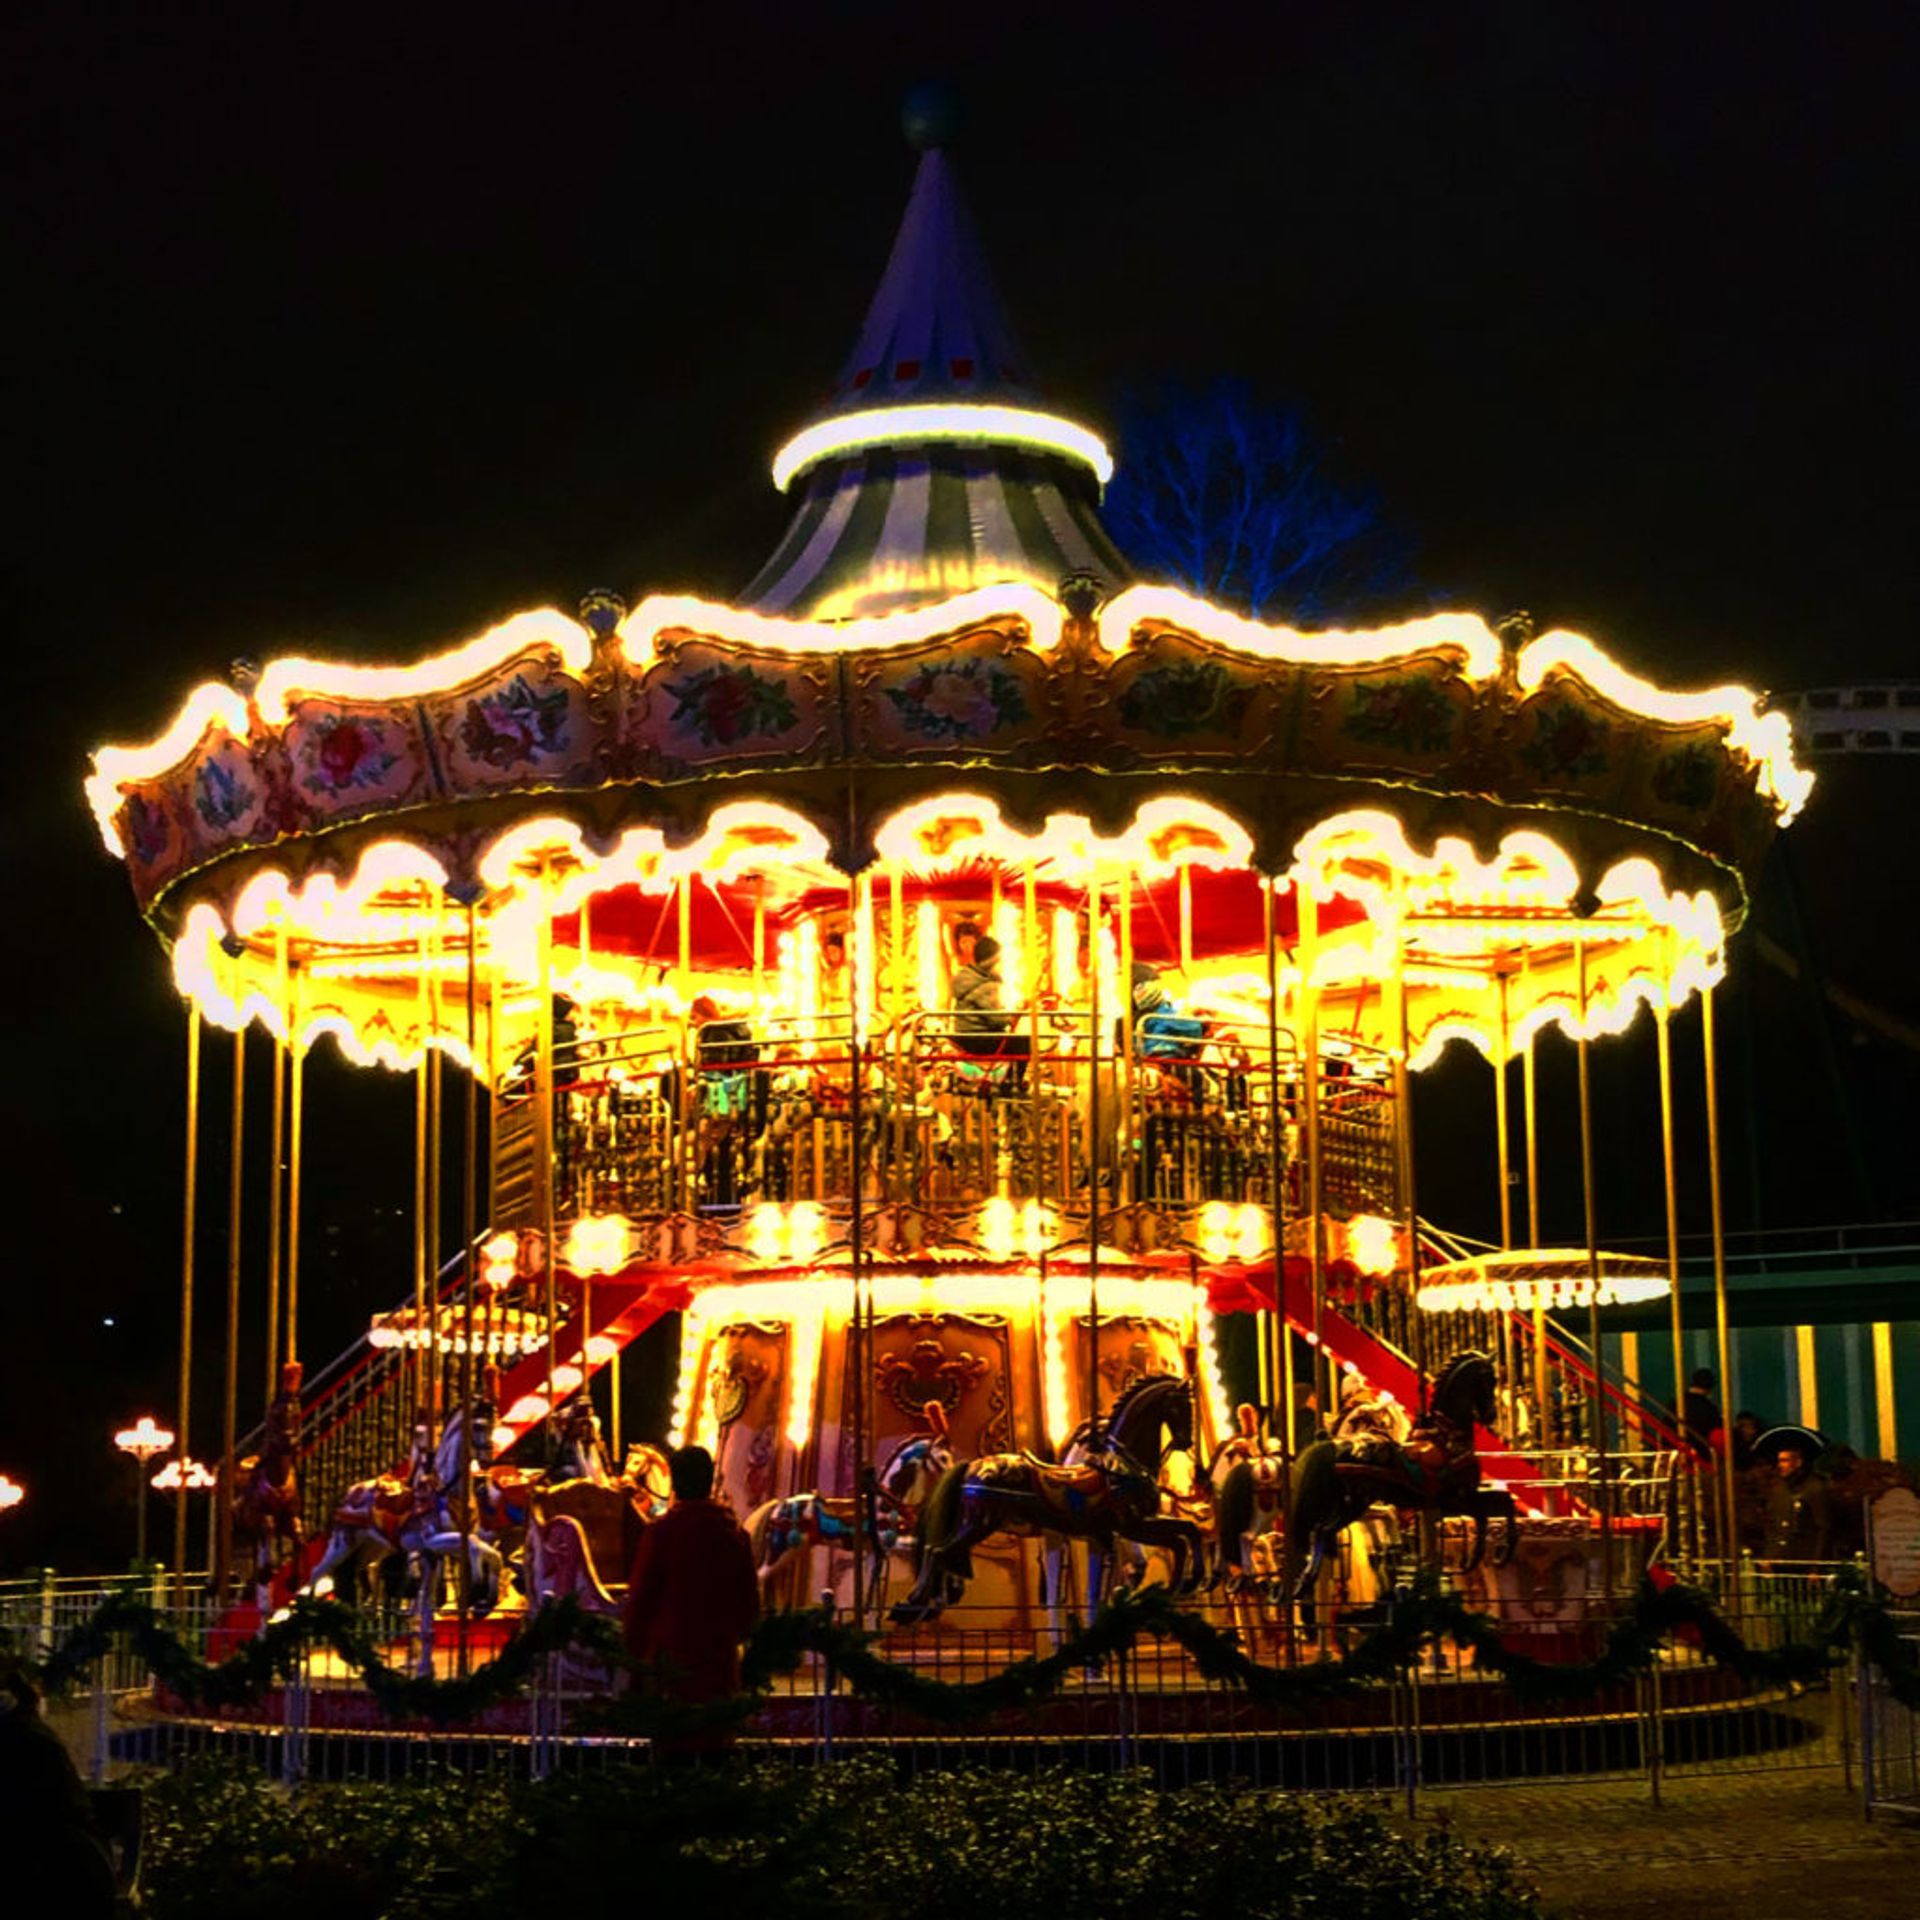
(1230, 499)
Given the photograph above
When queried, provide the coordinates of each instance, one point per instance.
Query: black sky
(350, 331)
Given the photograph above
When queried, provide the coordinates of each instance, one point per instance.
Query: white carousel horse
(781, 1529)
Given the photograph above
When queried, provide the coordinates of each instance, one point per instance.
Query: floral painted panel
(348, 759)
(700, 704)
(1565, 740)
(950, 700)
(528, 727)
(1186, 702)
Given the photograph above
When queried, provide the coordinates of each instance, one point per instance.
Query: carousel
(966, 997)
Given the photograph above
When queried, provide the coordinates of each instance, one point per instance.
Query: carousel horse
(266, 1502)
(365, 1530)
(1115, 1495)
(782, 1529)
(1434, 1470)
(1248, 1477)
(449, 1513)
(581, 1533)
(414, 1513)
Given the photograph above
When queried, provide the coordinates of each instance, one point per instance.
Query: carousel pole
(859, 1348)
(1277, 1342)
(543, 1135)
(1663, 1047)
(1030, 936)
(1504, 1170)
(614, 1395)
(190, 1189)
(436, 1135)
(1502, 1125)
(1597, 1390)
(469, 1233)
(230, 1392)
(1403, 1139)
(276, 1159)
(422, 1124)
(1530, 1108)
(1129, 1067)
(1093, 1156)
(1723, 1345)
(1309, 911)
(296, 1145)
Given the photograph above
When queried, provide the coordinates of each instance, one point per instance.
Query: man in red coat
(692, 1595)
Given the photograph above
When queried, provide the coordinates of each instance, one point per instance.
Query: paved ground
(1769, 1846)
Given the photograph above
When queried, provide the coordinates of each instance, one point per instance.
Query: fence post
(1653, 1733)
(1865, 1693)
(44, 1634)
(293, 1725)
(1410, 1751)
(825, 1717)
(102, 1741)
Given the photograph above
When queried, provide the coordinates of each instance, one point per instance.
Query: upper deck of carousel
(945, 679)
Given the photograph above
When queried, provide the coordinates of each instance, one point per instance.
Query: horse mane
(1130, 1394)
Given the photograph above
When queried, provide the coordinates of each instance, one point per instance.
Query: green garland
(1422, 1616)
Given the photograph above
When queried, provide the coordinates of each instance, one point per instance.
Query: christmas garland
(1417, 1618)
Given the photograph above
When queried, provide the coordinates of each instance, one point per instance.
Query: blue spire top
(936, 329)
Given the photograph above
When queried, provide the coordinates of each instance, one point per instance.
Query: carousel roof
(933, 467)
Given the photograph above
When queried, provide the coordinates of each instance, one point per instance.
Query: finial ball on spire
(930, 115)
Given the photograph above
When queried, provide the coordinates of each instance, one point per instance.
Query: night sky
(351, 331)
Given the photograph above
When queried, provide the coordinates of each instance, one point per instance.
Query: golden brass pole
(1276, 1365)
(543, 1135)
(860, 1347)
(1723, 1344)
(276, 1161)
(1186, 918)
(422, 1200)
(469, 1234)
(296, 1144)
(1403, 1144)
(1500, 1122)
(1129, 1142)
(1663, 1046)
(1308, 907)
(229, 1405)
(1530, 1107)
(1093, 1156)
(190, 1192)
(1597, 1391)
(436, 1114)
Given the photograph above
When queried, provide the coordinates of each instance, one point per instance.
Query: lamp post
(145, 1438)
(183, 1476)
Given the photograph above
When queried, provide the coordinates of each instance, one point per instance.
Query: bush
(855, 1840)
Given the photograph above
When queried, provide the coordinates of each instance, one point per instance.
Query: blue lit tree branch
(1230, 499)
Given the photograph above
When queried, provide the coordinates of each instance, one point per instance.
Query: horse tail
(1313, 1498)
(940, 1518)
(758, 1521)
(1234, 1512)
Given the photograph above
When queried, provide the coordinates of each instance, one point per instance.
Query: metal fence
(1444, 1723)
(1890, 1736)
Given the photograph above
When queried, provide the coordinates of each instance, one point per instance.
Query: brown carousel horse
(1113, 1495)
(1434, 1470)
(266, 1497)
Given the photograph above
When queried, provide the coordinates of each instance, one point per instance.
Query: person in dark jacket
(1700, 1412)
(980, 1026)
(693, 1596)
(1799, 1510)
(45, 1815)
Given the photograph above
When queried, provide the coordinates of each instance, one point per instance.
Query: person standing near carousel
(692, 1598)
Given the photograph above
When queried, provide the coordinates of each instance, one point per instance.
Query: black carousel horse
(1113, 1494)
(1436, 1469)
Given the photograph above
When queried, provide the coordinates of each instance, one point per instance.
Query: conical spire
(932, 468)
(936, 329)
